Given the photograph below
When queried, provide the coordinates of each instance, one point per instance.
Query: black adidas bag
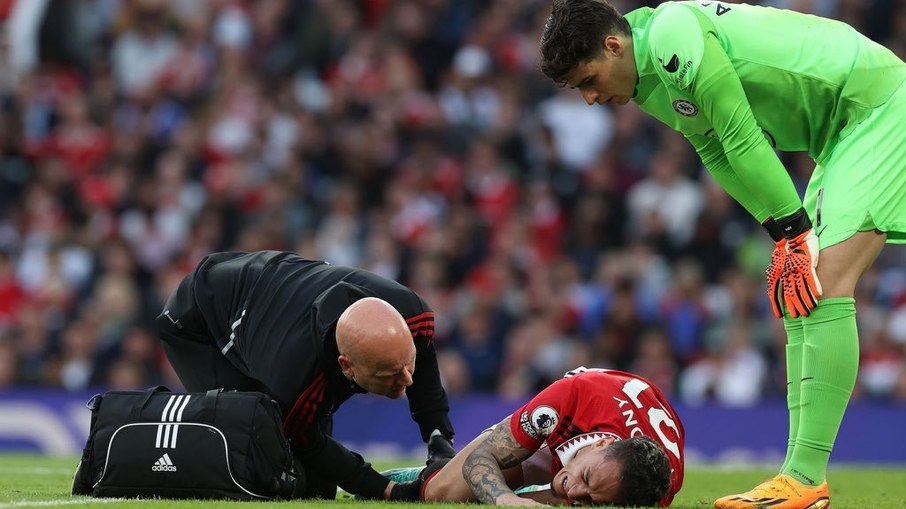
(185, 445)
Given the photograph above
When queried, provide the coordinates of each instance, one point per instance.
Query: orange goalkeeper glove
(774, 272)
(801, 287)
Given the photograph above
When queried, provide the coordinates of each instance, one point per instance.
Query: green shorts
(862, 184)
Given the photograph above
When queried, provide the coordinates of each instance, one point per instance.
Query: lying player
(596, 436)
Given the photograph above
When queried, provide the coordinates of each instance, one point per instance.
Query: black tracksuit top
(274, 314)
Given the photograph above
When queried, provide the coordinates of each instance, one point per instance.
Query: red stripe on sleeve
(302, 413)
(421, 325)
(419, 317)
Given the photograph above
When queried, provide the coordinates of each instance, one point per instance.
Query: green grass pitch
(36, 481)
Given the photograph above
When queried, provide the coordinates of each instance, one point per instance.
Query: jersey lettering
(630, 418)
(721, 8)
(656, 416)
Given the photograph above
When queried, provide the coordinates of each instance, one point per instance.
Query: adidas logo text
(164, 464)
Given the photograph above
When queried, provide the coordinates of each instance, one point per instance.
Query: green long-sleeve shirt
(739, 81)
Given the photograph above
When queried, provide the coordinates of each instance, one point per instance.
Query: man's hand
(440, 450)
(774, 272)
(774, 275)
(801, 287)
(405, 491)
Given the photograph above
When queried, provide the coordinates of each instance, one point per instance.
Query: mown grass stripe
(59, 502)
(37, 470)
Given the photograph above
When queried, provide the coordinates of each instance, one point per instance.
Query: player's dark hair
(573, 34)
(645, 475)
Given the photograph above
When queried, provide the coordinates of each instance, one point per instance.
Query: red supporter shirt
(591, 404)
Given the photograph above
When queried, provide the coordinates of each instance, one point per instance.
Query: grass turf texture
(36, 481)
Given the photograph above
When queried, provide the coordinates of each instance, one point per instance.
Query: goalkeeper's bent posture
(739, 81)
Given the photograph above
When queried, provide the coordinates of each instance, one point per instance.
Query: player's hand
(774, 272)
(406, 491)
(512, 499)
(774, 276)
(801, 287)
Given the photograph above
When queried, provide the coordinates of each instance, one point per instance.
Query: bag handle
(136, 412)
(209, 403)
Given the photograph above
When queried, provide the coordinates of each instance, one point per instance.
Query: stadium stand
(414, 138)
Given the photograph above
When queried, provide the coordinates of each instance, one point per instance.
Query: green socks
(830, 362)
(795, 337)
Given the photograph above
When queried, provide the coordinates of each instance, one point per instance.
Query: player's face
(608, 78)
(388, 377)
(589, 479)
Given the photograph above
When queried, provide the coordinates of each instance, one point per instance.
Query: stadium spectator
(655, 361)
(733, 376)
(311, 335)
(8, 367)
(663, 207)
(141, 52)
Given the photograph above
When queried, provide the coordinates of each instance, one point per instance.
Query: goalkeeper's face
(610, 77)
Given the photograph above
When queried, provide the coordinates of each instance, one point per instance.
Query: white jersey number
(657, 417)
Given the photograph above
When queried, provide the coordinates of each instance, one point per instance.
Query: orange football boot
(779, 492)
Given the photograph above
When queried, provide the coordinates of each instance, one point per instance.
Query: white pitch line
(58, 502)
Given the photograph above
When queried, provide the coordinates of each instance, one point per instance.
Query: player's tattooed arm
(483, 467)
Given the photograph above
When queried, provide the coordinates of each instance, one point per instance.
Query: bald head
(376, 347)
(371, 325)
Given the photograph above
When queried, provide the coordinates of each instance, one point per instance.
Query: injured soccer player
(595, 437)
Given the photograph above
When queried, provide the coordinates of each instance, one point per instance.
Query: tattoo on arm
(484, 477)
(483, 468)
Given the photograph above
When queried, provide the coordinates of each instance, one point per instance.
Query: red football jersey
(590, 404)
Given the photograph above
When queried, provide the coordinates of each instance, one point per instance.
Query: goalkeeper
(739, 81)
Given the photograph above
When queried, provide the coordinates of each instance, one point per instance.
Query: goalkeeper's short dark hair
(573, 34)
(645, 475)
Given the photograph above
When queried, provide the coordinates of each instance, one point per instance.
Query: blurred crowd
(413, 138)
